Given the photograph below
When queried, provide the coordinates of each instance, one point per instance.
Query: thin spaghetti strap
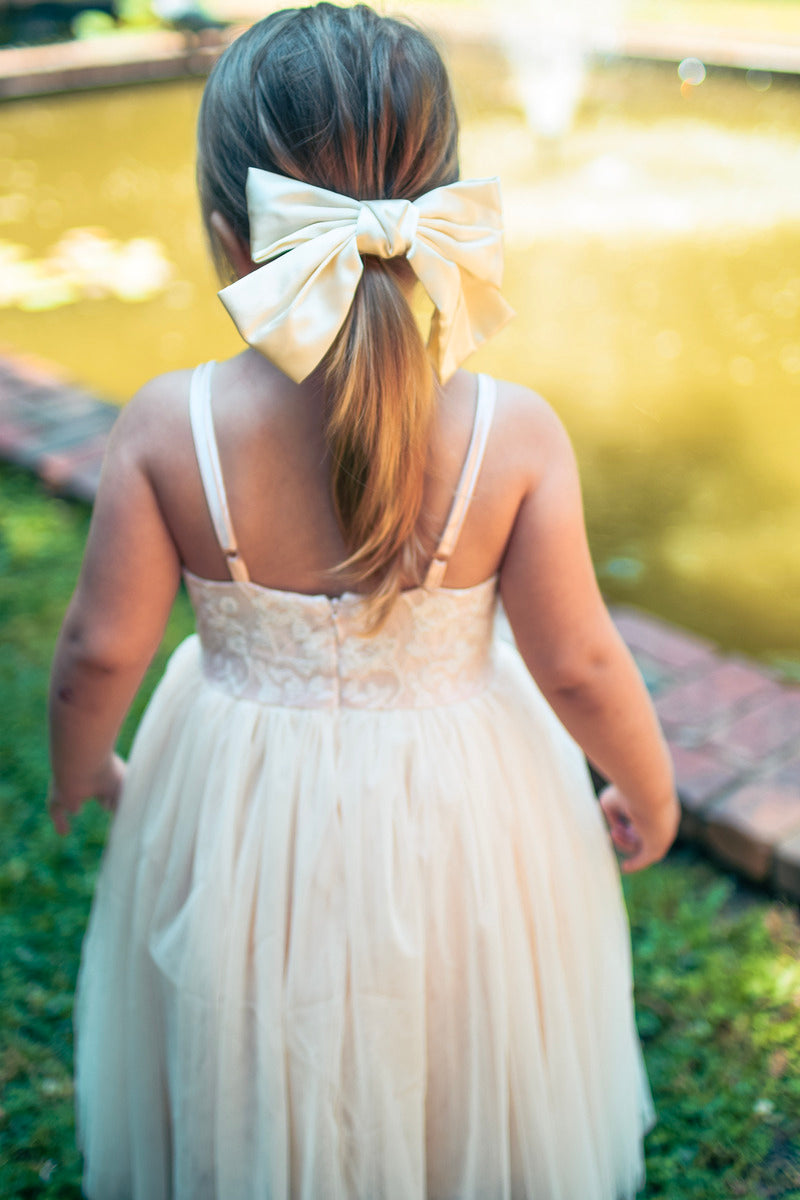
(484, 412)
(205, 445)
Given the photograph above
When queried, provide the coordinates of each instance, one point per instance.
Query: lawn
(717, 966)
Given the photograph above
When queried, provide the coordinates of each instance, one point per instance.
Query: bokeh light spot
(692, 71)
(789, 359)
(669, 344)
(786, 303)
(13, 207)
(742, 370)
(759, 81)
(624, 568)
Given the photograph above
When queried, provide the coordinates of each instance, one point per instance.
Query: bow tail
(292, 308)
(467, 310)
(487, 311)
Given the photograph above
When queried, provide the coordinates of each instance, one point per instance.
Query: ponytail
(380, 396)
(361, 105)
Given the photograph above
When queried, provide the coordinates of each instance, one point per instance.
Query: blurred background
(649, 157)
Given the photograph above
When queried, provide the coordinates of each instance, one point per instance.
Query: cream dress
(358, 931)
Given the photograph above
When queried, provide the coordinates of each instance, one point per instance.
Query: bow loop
(310, 241)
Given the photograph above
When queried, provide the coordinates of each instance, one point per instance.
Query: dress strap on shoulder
(484, 412)
(205, 445)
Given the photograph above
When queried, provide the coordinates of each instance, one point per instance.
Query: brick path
(734, 729)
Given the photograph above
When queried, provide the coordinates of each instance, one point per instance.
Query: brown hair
(360, 104)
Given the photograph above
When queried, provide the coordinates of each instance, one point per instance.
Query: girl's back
(358, 931)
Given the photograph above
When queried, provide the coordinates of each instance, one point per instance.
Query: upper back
(276, 475)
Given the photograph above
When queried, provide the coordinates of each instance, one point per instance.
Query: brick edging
(734, 731)
(108, 61)
(129, 57)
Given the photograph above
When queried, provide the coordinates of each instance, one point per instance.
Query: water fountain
(549, 46)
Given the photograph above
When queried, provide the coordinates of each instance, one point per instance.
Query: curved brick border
(734, 733)
(734, 729)
(108, 61)
(144, 57)
(52, 427)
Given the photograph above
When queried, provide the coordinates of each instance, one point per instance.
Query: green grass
(718, 1006)
(46, 882)
(717, 967)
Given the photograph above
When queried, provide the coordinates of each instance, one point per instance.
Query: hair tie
(310, 243)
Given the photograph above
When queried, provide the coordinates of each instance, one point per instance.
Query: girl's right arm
(115, 620)
(578, 659)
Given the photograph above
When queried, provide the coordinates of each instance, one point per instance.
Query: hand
(106, 790)
(110, 781)
(640, 840)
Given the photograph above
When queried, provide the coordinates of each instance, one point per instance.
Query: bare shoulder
(156, 410)
(528, 432)
(153, 428)
(522, 404)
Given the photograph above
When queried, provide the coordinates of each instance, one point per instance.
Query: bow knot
(386, 228)
(310, 241)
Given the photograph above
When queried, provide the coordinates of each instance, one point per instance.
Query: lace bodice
(299, 651)
(285, 648)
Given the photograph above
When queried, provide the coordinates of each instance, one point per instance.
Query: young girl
(358, 930)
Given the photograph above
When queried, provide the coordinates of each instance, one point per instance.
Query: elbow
(89, 652)
(83, 671)
(577, 677)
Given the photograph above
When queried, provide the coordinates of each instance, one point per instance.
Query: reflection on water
(627, 184)
(85, 264)
(653, 257)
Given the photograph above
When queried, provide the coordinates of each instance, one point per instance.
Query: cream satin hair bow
(311, 241)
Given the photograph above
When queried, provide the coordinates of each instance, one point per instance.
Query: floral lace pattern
(300, 651)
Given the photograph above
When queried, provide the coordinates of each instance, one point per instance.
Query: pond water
(653, 257)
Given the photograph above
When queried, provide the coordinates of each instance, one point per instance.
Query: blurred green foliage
(142, 16)
(130, 15)
(717, 967)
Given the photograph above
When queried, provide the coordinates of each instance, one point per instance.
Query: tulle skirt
(357, 954)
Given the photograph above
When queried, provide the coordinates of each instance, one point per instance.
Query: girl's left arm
(114, 623)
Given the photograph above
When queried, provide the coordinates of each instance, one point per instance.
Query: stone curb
(714, 48)
(109, 61)
(732, 726)
(163, 54)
